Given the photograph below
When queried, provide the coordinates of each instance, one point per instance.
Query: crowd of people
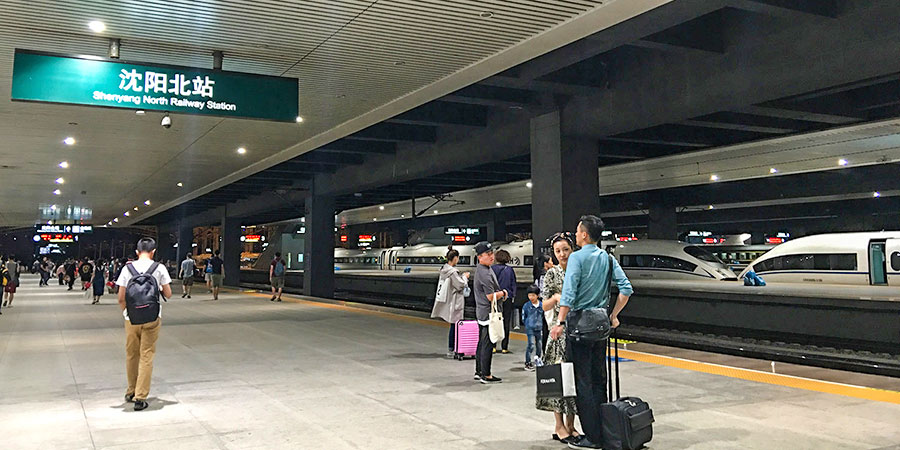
(574, 279)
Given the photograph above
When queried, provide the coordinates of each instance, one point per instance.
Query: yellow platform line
(808, 384)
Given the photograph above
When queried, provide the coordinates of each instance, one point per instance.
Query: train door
(385, 260)
(877, 263)
(392, 259)
(892, 254)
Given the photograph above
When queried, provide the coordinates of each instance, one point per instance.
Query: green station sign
(41, 77)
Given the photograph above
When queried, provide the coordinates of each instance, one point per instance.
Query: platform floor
(246, 373)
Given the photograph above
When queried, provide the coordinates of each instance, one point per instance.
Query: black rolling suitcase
(627, 421)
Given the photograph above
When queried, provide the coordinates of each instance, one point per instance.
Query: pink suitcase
(466, 339)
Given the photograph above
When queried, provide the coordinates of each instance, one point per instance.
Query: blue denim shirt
(587, 279)
(532, 314)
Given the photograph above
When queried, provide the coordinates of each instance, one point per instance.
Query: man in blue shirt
(587, 286)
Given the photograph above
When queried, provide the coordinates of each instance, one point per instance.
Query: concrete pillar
(164, 246)
(662, 222)
(318, 264)
(564, 175)
(185, 242)
(231, 250)
(496, 228)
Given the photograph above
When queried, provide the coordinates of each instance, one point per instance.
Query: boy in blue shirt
(532, 313)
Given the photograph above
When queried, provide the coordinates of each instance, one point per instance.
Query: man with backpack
(142, 282)
(187, 275)
(276, 276)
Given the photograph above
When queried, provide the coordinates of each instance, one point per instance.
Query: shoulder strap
(131, 269)
(152, 268)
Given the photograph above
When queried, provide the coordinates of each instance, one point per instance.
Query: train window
(657, 261)
(815, 261)
(895, 261)
(465, 260)
(529, 260)
(702, 254)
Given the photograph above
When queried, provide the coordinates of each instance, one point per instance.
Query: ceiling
(358, 63)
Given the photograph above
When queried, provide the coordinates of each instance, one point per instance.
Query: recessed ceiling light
(127, 213)
(529, 185)
(773, 170)
(374, 219)
(435, 211)
(147, 202)
(57, 192)
(60, 180)
(711, 207)
(242, 150)
(486, 14)
(399, 63)
(69, 140)
(135, 208)
(498, 204)
(140, 112)
(116, 220)
(299, 119)
(52, 207)
(381, 208)
(876, 194)
(64, 164)
(842, 162)
(97, 26)
(180, 184)
(402, 216)
(713, 178)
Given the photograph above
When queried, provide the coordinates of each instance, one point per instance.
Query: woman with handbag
(98, 283)
(450, 298)
(563, 409)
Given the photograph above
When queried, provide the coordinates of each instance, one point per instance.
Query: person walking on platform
(98, 282)
(44, 268)
(87, 272)
(186, 273)
(13, 269)
(586, 286)
(207, 275)
(450, 300)
(217, 276)
(532, 320)
(563, 408)
(506, 276)
(70, 273)
(487, 291)
(61, 274)
(140, 339)
(276, 276)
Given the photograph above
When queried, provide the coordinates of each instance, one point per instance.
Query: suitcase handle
(609, 364)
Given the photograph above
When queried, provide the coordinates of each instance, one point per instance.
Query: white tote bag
(495, 327)
(440, 295)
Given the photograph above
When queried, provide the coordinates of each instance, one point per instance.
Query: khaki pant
(140, 347)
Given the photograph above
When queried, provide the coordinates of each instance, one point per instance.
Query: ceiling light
(374, 219)
(299, 119)
(498, 204)
(97, 26)
(486, 14)
(127, 213)
(147, 202)
(773, 170)
(842, 162)
(399, 63)
(60, 180)
(381, 208)
(135, 208)
(69, 140)
(242, 150)
(116, 220)
(714, 178)
(180, 184)
(876, 194)
(402, 216)
(435, 211)
(140, 112)
(57, 192)
(64, 164)
(711, 207)
(529, 185)
(52, 207)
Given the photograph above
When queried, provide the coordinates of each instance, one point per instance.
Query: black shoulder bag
(591, 325)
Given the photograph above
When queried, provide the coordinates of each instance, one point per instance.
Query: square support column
(564, 176)
(231, 250)
(164, 245)
(662, 222)
(185, 242)
(318, 264)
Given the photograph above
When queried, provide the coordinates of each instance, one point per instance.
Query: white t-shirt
(142, 265)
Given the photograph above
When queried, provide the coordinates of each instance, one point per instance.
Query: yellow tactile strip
(808, 384)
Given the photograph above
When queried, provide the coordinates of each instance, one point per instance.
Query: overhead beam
(396, 132)
(445, 113)
(790, 8)
(737, 126)
(784, 113)
(359, 147)
(482, 94)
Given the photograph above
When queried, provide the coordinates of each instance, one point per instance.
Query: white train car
(660, 259)
(839, 258)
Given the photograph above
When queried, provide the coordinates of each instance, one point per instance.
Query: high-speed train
(649, 259)
(839, 258)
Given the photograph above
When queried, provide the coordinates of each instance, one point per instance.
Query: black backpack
(142, 295)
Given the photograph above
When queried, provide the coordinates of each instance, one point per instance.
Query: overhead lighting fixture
(52, 207)
(773, 170)
(127, 213)
(713, 178)
(498, 204)
(241, 150)
(180, 184)
(381, 208)
(140, 112)
(402, 216)
(64, 164)
(147, 202)
(116, 220)
(57, 192)
(529, 185)
(711, 207)
(842, 162)
(435, 211)
(69, 140)
(399, 63)
(135, 208)
(60, 180)
(374, 219)
(299, 119)
(486, 14)
(876, 194)
(97, 26)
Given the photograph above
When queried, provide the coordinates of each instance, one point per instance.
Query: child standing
(532, 314)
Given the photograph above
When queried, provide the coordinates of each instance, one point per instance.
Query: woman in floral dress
(563, 408)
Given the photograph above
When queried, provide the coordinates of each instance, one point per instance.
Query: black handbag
(591, 325)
